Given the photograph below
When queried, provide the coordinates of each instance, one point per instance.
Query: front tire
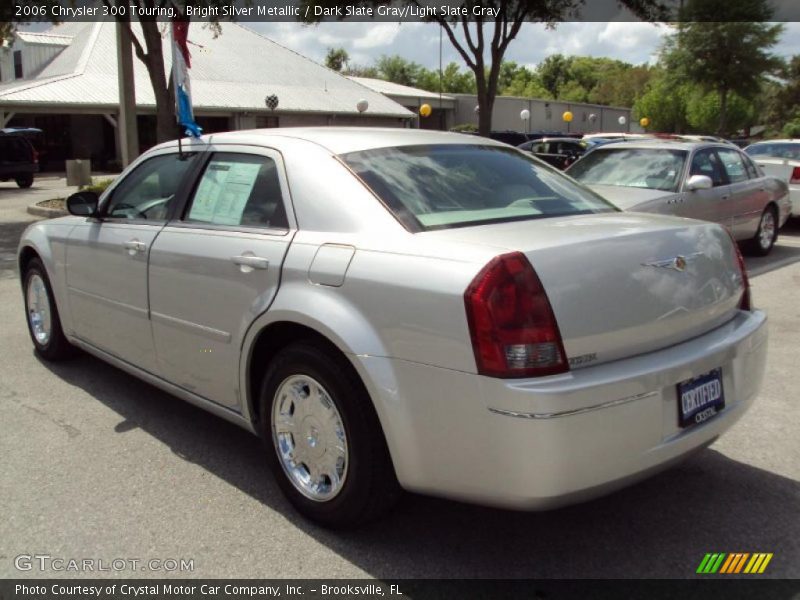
(44, 323)
(323, 439)
(767, 233)
(24, 181)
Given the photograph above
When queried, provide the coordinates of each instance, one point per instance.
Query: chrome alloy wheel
(309, 438)
(766, 232)
(39, 309)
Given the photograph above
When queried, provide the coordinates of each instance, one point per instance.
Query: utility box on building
(79, 172)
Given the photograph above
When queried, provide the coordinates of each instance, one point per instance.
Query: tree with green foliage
(553, 71)
(781, 99)
(703, 108)
(725, 58)
(486, 37)
(516, 80)
(452, 81)
(337, 59)
(664, 103)
(399, 70)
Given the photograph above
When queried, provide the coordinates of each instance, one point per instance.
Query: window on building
(18, 64)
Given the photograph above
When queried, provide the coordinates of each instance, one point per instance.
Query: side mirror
(83, 204)
(699, 182)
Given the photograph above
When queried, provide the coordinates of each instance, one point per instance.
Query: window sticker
(223, 192)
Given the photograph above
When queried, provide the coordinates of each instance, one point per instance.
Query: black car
(19, 160)
(560, 152)
(514, 138)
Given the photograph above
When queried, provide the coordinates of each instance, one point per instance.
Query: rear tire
(767, 233)
(24, 181)
(41, 312)
(324, 442)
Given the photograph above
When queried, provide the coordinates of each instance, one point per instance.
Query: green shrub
(464, 127)
(792, 129)
(98, 187)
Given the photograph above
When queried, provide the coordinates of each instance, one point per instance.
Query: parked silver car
(710, 181)
(396, 309)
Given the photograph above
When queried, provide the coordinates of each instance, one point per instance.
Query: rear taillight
(795, 178)
(35, 156)
(512, 325)
(745, 302)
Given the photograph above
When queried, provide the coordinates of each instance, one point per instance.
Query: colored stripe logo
(736, 562)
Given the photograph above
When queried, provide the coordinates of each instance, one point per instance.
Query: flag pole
(181, 63)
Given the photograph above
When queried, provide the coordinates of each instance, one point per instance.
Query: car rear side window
(450, 185)
(734, 165)
(752, 170)
(239, 190)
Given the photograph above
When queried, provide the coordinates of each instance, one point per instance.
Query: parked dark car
(560, 152)
(514, 138)
(19, 160)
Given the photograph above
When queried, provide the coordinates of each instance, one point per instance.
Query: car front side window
(149, 190)
(706, 162)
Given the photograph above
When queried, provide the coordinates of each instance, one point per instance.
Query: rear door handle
(254, 262)
(134, 246)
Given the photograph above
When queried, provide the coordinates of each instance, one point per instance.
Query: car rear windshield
(455, 185)
(14, 149)
(776, 150)
(655, 169)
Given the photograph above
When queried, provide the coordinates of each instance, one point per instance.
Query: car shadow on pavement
(659, 528)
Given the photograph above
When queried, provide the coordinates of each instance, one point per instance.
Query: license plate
(700, 398)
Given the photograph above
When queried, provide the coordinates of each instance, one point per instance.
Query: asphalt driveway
(95, 463)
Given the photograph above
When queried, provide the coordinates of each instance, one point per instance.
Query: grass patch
(98, 187)
(58, 203)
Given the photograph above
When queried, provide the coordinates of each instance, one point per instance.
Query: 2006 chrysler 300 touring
(404, 309)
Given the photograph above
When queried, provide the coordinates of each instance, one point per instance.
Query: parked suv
(18, 158)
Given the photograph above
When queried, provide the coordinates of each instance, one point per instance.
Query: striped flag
(181, 63)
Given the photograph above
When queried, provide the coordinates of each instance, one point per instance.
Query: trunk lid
(779, 168)
(623, 284)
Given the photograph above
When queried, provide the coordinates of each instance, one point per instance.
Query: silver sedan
(398, 309)
(711, 181)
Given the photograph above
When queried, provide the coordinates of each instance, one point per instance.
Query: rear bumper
(794, 200)
(15, 170)
(542, 443)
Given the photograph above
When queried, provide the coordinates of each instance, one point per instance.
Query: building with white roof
(64, 81)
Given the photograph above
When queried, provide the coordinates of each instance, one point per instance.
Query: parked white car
(781, 159)
(400, 308)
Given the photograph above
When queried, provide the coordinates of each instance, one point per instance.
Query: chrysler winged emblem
(677, 263)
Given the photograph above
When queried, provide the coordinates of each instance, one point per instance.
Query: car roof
(781, 141)
(659, 144)
(342, 140)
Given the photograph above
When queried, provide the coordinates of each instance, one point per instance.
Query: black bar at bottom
(701, 588)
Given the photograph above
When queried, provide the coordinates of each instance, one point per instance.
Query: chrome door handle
(254, 262)
(134, 246)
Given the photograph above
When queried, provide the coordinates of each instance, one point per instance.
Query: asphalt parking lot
(96, 464)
